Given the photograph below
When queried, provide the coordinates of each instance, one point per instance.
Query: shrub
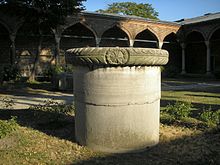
(162, 68)
(54, 70)
(57, 114)
(217, 74)
(212, 118)
(179, 109)
(171, 71)
(10, 72)
(53, 106)
(7, 126)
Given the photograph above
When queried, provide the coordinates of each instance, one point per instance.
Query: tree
(40, 14)
(131, 8)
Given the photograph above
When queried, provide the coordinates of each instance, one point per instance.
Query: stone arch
(125, 30)
(84, 24)
(146, 39)
(154, 32)
(115, 36)
(171, 36)
(213, 31)
(194, 31)
(2, 23)
(171, 44)
(170, 33)
(118, 25)
(214, 41)
(195, 53)
(4, 44)
(27, 43)
(77, 35)
(26, 39)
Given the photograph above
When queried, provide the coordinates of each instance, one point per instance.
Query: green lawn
(44, 136)
(201, 98)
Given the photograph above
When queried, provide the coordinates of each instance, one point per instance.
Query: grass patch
(212, 118)
(205, 98)
(177, 145)
(34, 147)
(7, 127)
(204, 111)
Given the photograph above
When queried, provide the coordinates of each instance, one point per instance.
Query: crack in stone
(118, 105)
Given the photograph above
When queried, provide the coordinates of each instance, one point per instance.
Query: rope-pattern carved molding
(117, 56)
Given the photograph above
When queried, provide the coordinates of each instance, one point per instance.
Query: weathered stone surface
(117, 105)
(115, 56)
(117, 108)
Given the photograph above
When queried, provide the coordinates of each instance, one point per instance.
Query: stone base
(117, 108)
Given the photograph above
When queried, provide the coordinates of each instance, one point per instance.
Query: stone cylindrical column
(208, 58)
(183, 46)
(117, 97)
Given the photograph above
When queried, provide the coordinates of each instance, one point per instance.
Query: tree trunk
(36, 61)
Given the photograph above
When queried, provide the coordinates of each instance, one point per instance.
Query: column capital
(97, 40)
(160, 44)
(183, 45)
(12, 37)
(57, 37)
(207, 43)
(131, 42)
(116, 56)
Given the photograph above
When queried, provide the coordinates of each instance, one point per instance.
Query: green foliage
(55, 7)
(179, 110)
(56, 115)
(54, 107)
(7, 103)
(217, 74)
(10, 72)
(171, 71)
(7, 126)
(41, 14)
(162, 68)
(131, 8)
(212, 118)
(56, 70)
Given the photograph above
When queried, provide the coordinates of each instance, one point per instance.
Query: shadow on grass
(54, 124)
(21, 85)
(199, 149)
(203, 148)
(31, 96)
(24, 86)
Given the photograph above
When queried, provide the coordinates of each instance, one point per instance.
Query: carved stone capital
(12, 37)
(183, 45)
(117, 56)
(207, 43)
